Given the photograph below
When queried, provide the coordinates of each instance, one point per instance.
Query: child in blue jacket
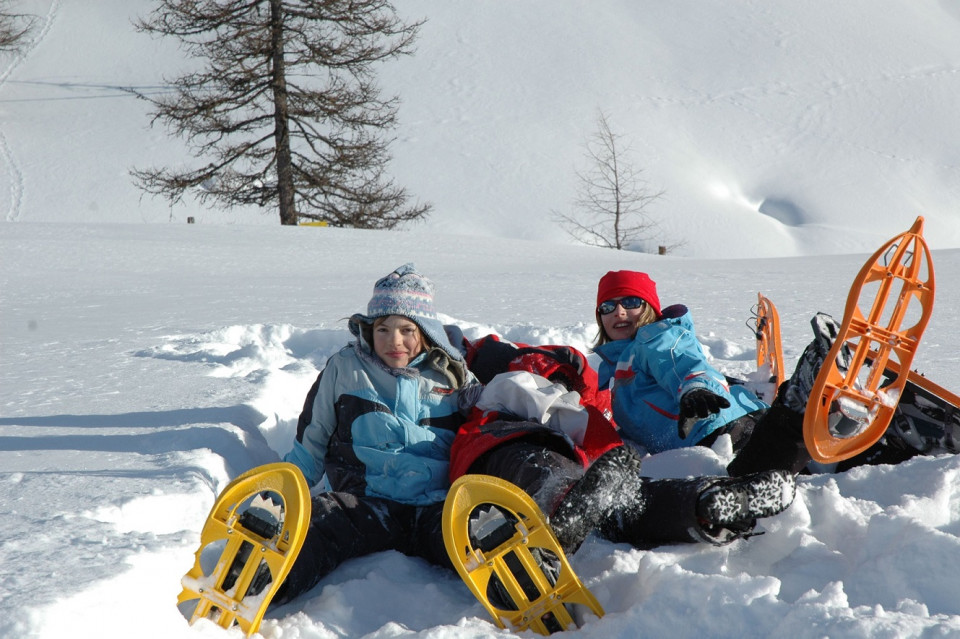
(379, 424)
(667, 395)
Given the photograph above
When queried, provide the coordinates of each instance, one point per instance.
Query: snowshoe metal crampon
(247, 547)
(884, 335)
(507, 554)
(939, 394)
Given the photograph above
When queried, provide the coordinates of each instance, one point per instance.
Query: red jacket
(489, 356)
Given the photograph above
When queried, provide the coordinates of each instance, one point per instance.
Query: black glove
(697, 404)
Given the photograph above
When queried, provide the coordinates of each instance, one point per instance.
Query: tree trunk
(281, 132)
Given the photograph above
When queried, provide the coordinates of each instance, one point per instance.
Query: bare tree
(612, 200)
(14, 28)
(285, 110)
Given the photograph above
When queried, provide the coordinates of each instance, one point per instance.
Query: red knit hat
(626, 283)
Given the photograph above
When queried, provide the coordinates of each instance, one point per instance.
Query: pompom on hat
(627, 283)
(408, 293)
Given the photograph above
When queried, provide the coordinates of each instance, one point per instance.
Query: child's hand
(697, 404)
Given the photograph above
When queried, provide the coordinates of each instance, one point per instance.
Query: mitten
(695, 405)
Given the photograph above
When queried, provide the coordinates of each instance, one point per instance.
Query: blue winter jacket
(383, 432)
(649, 374)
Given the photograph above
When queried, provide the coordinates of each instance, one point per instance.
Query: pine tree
(285, 108)
(14, 28)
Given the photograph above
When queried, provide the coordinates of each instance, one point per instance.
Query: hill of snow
(774, 128)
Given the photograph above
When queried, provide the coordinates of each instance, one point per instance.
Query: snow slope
(778, 128)
(144, 364)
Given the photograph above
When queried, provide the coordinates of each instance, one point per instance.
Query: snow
(144, 362)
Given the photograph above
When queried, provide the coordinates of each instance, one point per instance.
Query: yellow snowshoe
(247, 547)
(507, 554)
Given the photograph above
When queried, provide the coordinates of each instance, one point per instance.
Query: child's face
(397, 341)
(622, 322)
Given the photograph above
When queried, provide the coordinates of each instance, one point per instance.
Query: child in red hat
(666, 394)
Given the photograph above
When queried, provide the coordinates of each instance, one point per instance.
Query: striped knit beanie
(408, 293)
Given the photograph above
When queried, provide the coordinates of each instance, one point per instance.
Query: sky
(145, 362)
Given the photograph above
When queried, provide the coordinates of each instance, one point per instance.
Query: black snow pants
(546, 474)
(345, 526)
(768, 440)
(773, 440)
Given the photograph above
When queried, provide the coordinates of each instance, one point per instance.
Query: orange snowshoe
(887, 310)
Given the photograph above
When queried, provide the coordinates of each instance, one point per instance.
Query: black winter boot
(714, 510)
(798, 387)
(922, 424)
(612, 482)
(490, 526)
(845, 419)
(735, 500)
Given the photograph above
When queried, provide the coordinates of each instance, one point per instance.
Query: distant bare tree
(286, 108)
(14, 28)
(612, 200)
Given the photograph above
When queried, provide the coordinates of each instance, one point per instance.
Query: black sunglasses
(627, 303)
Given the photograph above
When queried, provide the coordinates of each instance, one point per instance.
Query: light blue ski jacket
(648, 374)
(383, 432)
